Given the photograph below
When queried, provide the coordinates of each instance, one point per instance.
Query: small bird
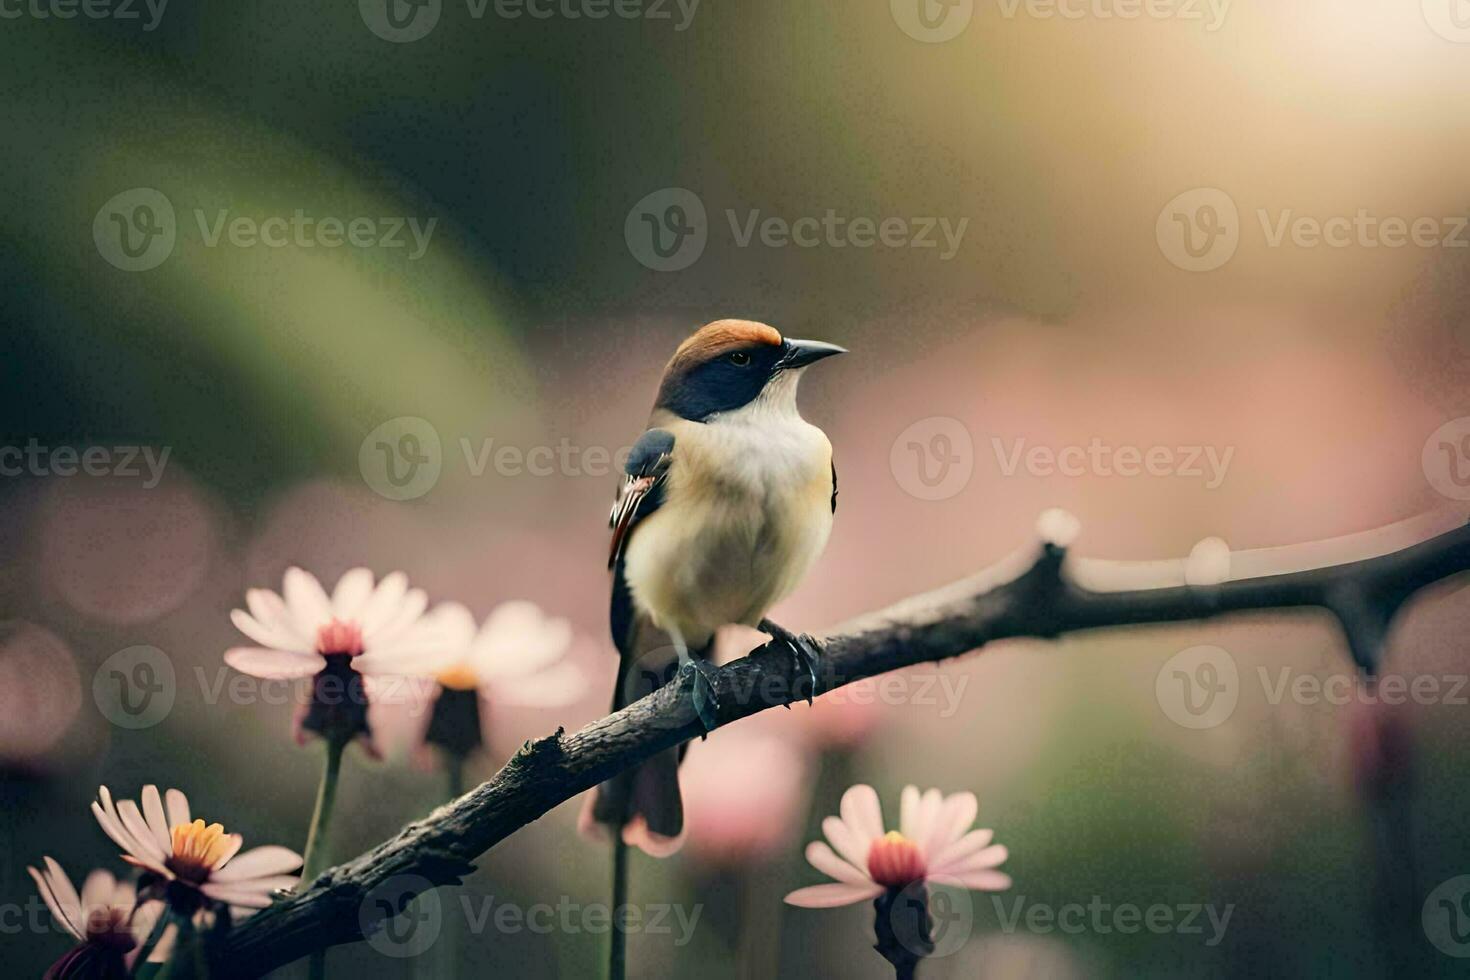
(727, 500)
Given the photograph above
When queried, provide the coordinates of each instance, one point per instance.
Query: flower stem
(154, 935)
(903, 927)
(326, 796)
(454, 774)
(617, 953)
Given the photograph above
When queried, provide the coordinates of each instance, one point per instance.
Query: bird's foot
(706, 701)
(806, 653)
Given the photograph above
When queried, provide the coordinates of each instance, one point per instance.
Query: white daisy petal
(112, 827)
(63, 915)
(99, 891)
(955, 817)
(383, 604)
(962, 848)
(519, 639)
(243, 897)
(307, 601)
(274, 664)
(232, 847)
(271, 613)
(821, 857)
(982, 860)
(928, 812)
(178, 807)
(831, 896)
(862, 812)
(137, 828)
(258, 862)
(274, 638)
(153, 815)
(555, 687)
(908, 811)
(985, 881)
(847, 842)
(402, 621)
(352, 591)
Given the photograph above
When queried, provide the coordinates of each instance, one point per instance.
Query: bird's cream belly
(713, 560)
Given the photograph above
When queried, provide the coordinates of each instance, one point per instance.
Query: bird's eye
(740, 358)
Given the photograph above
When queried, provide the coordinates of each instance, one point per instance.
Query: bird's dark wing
(640, 494)
(834, 486)
(642, 490)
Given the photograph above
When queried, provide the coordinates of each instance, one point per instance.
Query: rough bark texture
(1025, 596)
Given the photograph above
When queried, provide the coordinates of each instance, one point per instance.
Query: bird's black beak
(800, 353)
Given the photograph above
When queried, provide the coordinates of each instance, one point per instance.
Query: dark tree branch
(1027, 595)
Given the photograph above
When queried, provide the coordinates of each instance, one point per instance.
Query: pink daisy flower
(934, 842)
(516, 658)
(358, 630)
(189, 863)
(104, 918)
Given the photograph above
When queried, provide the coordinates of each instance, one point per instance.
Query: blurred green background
(530, 321)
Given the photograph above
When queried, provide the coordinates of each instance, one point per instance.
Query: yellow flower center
(197, 849)
(458, 678)
(895, 861)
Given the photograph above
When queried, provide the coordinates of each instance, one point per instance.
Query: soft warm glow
(895, 861)
(339, 637)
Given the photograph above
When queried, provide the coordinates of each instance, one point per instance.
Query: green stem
(154, 935)
(617, 954)
(326, 796)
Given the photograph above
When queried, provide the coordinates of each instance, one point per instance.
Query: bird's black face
(731, 379)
